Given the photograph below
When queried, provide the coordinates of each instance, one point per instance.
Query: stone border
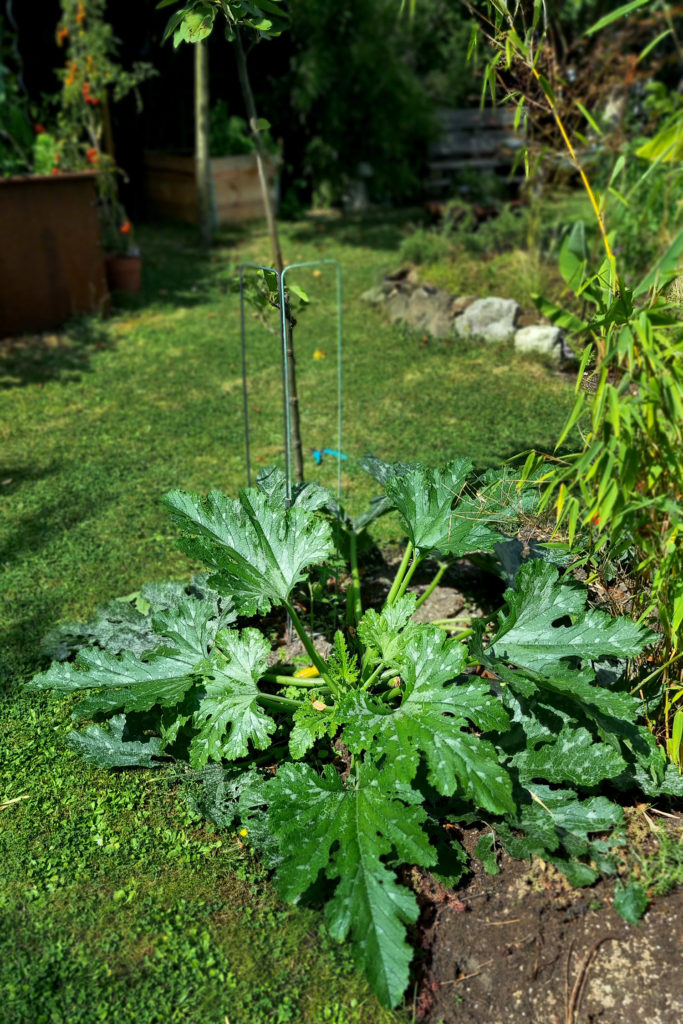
(423, 307)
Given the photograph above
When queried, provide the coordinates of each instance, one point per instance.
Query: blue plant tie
(319, 452)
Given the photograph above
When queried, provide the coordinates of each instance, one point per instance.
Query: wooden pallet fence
(472, 139)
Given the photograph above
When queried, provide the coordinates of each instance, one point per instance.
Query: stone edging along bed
(424, 307)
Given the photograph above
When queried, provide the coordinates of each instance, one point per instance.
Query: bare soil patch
(523, 946)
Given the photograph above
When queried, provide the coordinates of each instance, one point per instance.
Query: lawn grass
(116, 901)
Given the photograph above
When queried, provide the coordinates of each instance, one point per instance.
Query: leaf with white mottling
(258, 550)
(435, 515)
(322, 825)
(386, 633)
(229, 716)
(573, 757)
(431, 720)
(531, 636)
(105, 746)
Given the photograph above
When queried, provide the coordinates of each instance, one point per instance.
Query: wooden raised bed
(171, 190)
(51, 259)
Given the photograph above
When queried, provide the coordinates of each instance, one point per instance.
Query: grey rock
(397, 304)
(375, 296)
(428, 304)
(491, 319)
(543, 339)
(440, 326)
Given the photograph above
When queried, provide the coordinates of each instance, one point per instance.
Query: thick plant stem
(447, 623)
(354, 607)
(463, 635)
(311, 684)
(400, 573)
(371, 679)
(279, 703)
(408, 576)
(308, 644)
(433, 585)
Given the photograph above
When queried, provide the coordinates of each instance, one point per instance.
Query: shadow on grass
(12, 475)
(176, 272)
(21, 654)
(61, 355)
(371, 230)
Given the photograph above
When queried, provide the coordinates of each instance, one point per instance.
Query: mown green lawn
(117, 903)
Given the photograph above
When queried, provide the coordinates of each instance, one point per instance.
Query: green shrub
(425, 246)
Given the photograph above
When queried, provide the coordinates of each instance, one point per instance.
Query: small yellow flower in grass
(317, 273)
(319, 354)
(244, 832)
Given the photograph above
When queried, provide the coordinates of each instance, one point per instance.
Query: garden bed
(515, 941)
(524, 946)
(115, 860)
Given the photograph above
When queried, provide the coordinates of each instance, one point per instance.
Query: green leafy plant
(424, 245)
(624, 486)
(229, 134)
(17, 118)
(91, 79)
(341, 777)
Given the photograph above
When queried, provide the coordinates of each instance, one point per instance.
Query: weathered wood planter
(171, 190)
(51, 259)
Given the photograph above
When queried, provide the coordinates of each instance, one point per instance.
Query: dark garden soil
(523, 946)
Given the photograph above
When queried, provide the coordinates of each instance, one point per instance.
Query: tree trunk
(250, 105)
(295, 428)
(201, 142)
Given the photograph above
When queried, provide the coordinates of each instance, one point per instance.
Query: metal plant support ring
(285, 368)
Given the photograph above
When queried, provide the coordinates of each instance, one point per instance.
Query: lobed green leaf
(257, 548)
(532, 633)
(105, 746)
(323, 826)
(229, 716)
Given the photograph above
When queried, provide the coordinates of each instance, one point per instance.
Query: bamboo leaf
(664, 269)
(655, 42)
(613, 16)
(574, 416)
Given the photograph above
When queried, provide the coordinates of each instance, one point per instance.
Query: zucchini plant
(341, 778)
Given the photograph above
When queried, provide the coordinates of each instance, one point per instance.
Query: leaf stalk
(433, 585)
(308, 644)
(400, 573)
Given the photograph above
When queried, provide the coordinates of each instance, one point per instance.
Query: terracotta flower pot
(124, 273)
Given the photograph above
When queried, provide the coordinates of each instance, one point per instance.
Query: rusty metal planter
(51, 259)
(171, 190)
